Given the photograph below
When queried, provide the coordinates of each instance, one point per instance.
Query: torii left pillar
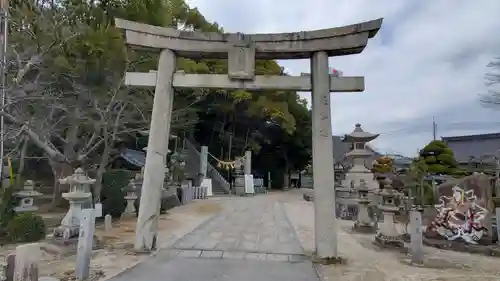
(154, 171)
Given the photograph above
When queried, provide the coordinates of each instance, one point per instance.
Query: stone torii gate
(241, 50)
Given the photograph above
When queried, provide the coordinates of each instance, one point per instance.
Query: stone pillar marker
(85, 244)
(203, 161)
(249, 185)
(149, 206)
(417, 247)
(248, 162)
(325, 228)
(206, 183)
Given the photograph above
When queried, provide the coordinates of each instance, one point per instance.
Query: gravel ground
(365, 262)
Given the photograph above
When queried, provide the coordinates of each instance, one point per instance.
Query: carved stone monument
(363, 223)
(464, 212)
(241, 50)
(79, 194)
(27, 197)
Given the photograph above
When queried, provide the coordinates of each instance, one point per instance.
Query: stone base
(308, 195)
(239, 190)
(384, 241)
(460, 246)
(64, 232)
(70, 246)
(364, 228)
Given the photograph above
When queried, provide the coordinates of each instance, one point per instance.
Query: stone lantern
(78, 195)
(26, 198)
(135, 185)
(363, 223)
(387, 235)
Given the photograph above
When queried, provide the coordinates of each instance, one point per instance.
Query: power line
(446, 127)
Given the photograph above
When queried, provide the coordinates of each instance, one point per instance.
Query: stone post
(417, 247)
(206, 183)
(85, 244)
(249, 185)
(248, 162)
(149, 206)
(26, 262)
(323, 166)
(203, 161)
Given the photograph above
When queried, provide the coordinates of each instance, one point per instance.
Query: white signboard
(208, 184)
(249, 188)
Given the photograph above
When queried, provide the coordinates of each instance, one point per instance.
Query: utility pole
(434, 128)
(497, 174)
(4, 23)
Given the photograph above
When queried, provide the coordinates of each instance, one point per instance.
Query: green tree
(382, 165)
(438, 158)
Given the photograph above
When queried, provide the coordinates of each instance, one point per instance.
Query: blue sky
(428, 60)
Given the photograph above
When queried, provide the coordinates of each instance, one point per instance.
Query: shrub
(26, 227)
(7, 204)
(430, 159)
(112, 194)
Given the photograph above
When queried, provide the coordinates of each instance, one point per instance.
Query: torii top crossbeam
(339, 41)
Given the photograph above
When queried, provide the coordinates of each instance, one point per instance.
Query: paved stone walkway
(251, 239)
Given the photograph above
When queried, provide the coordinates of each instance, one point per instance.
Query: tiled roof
(134, 157)
(340, 148)
(483, 146)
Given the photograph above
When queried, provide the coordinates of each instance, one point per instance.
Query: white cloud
(428, 60)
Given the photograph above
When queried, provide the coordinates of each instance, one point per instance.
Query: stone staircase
(220, 185)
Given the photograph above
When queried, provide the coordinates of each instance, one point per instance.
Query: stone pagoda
(359, 156)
